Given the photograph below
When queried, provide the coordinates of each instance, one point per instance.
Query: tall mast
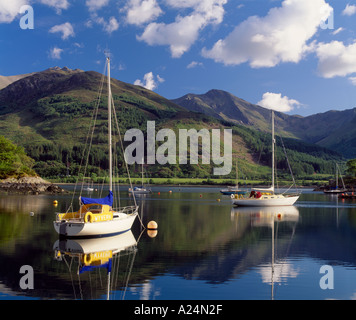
(109, 123)
(273, 143)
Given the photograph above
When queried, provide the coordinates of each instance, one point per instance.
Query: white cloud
(336, 59)
(194, 64)
(181, 34)
(149, 81)
(275, 101)
(108, 26)
(95, 5)
(281, 36)
(66, 29)
(353, 80)
(142, 11)
(59, 5)
(55, 53)
(350, 10)
(112, 25)
(10, 9)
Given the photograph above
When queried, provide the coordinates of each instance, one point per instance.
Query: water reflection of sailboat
(269, 217)
(91, 256)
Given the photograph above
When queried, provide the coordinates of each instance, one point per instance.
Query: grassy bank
(196, 181)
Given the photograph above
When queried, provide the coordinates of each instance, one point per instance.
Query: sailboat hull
(81, 229)
(335, 191)
(87, 246)
(267, 201)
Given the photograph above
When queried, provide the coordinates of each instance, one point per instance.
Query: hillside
(49, 113)
(335, 130)
(7, 80)
(41, 107)
(13, 160)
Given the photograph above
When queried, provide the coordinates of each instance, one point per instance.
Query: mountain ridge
(332, 129)
(49, 114)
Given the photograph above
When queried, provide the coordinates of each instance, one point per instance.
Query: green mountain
(49, 114)
(335, 130)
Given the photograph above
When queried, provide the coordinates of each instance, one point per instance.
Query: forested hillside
(13, 160)
(49, 115)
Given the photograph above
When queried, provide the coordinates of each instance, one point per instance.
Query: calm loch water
(204, 250)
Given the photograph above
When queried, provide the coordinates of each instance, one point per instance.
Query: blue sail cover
(106, 201)
(106, 265)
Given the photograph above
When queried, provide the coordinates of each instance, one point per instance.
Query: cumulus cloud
(275, 101)
(142, 11)
(10, 9)
(149, 82)
(281, 36)
(336, 59)
(353, 80)
(108, 26)
(181, 34)
(55, 53)
(58, 5)
(94, 5)
(66, 29)
(111, 26)
(350, 10)
(194, 64)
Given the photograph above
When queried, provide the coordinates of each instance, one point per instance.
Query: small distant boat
(267, 197)
(230, 191)
(97, 217)
(89, 188)
(336, 190)
(142, 189)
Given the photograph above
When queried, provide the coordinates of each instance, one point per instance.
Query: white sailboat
(266, 197)
(96, 217)
(337, 190)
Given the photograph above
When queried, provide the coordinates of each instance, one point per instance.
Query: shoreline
(37, 185)
(29, 185)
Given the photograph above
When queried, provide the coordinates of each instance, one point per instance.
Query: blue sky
(297, 56)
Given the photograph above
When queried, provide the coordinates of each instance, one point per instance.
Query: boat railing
(127, 210)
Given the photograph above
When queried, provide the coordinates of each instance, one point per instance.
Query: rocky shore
(29, 185)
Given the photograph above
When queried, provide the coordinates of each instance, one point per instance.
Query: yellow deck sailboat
(97, 217)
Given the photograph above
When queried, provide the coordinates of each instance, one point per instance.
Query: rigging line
(275, 168)
(86, 141)
(123, 151)
(117, 183)
(288, 249)
(80, 285)
(70, 273)
(118, 256)
(92, 132)
(289, 166)
(129, 274)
